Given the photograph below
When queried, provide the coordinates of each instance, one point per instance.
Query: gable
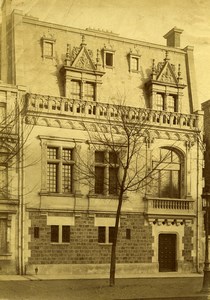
(83, 60)
(166, 74)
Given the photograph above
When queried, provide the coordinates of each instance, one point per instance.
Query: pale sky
(145, 20)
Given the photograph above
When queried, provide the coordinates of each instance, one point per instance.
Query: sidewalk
(96, 276)
(164, 286)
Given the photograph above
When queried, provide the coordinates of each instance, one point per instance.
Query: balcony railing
(80, 108)
(166, 206)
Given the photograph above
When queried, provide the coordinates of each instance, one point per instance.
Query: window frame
(45, 42)
(106, 53)
(135, 57)
(171, 167)
(58, 172)
(102, 187)
(59, 238)
(108, 234)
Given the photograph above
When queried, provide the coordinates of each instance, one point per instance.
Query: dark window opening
(36, 232)
(54, 233)
(65, 234)
(128, 234)
(109, 59)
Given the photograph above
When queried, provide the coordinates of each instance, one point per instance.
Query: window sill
(109, 67)
(59, 194)
(5, 256)
(105, 244)
(54, 243)
(102, 196)
(134, 71)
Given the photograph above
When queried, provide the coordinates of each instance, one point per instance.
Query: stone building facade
(74, 80)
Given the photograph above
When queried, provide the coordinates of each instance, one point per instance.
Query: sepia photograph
(105, 150)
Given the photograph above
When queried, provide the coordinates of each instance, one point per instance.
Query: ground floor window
(3, 236)
(60, 234)
(105, 235)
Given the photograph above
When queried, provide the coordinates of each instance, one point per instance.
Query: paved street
(98, 289)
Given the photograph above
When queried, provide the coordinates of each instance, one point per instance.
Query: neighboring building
(72, 78)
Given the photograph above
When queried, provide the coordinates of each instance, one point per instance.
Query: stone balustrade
(167, 206)
(80, 108)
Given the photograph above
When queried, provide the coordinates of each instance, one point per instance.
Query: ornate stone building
(74, 81)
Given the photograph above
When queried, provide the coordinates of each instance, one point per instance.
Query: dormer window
(48, 45)
(108, 58)
(134, 62)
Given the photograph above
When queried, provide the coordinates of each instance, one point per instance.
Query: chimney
(173, 37)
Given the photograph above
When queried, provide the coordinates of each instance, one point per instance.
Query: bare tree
(123, 135)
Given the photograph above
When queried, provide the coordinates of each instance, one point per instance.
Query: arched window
(168, 170)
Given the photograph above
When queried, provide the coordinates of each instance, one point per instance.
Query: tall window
(76, 89)
(159, 102)
(106, 172)
(60, 165)
(168, 174)
(89, 92)
(171, 103)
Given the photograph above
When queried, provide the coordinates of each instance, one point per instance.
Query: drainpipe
(197, 221)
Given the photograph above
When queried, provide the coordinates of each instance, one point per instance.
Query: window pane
(99, 156)
(48, 49)
(3, 236)
(112, 157)
(111, 234)
(65, 234)
(52, 176)
(67, 154)
(101, 234)
(52, 153)
(159, 103)
(75, 89)
(113, 180)
(134, 63)
(165, 183)
(54, 233)
(109, 59)
(175, 185)
(171, 103)
(165, 155)
(67, 178)
(89, 91)
(99, 180)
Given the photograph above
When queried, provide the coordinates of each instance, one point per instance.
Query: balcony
(70, 108)
(164, 208)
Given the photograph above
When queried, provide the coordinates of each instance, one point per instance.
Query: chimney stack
(173, 37)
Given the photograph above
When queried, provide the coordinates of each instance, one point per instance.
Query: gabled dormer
(82, 75)
(165, 86)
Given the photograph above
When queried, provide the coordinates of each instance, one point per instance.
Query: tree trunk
(114, 244)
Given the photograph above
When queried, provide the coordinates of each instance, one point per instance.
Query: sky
(144, 20)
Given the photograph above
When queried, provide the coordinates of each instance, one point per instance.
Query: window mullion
(107, 235)
(60, 234)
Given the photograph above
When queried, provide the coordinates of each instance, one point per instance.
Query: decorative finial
(83, 41)
(179, 73)
(68, 51)
(98, 59)
(153, 69)
(167, 58)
